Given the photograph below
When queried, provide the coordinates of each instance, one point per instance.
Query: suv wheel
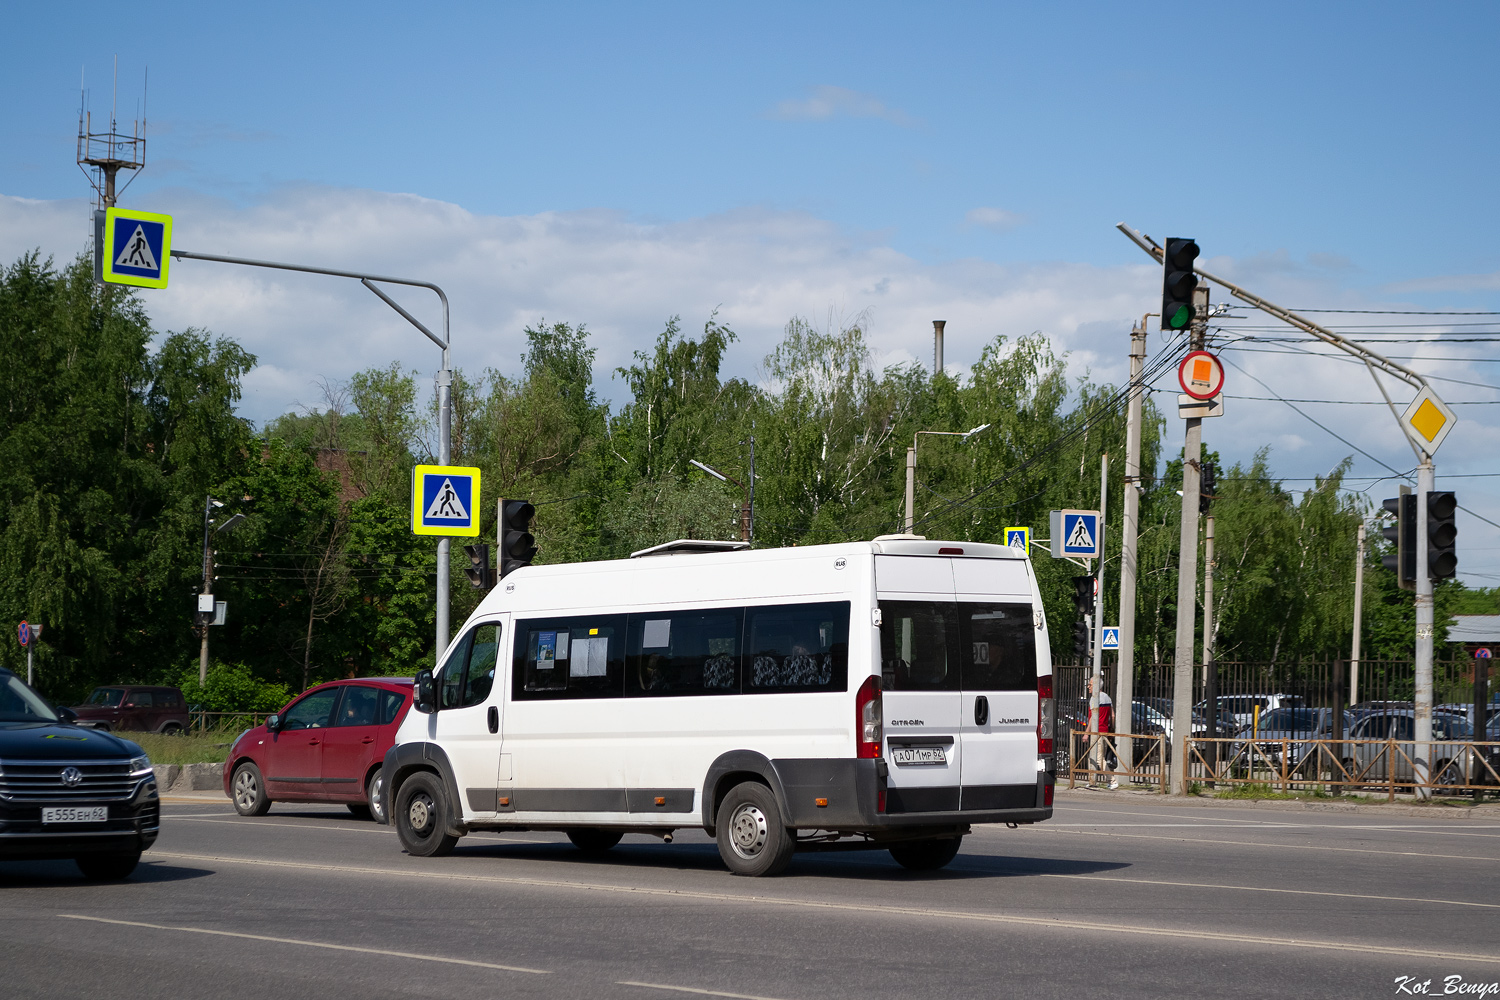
(248, 789)
(422, 815)
(173, 729)
(108, 866)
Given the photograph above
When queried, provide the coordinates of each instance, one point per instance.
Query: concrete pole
(208, 588)
(1187, 607)
(1426, 475)
(1125, 669)
(1359, 606)
(911, 486)
(937, 345)
(1208, 598)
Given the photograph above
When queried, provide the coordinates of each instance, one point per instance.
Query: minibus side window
(683, 653)
(797, 647)
(1000, 648)
(469, 674)
(576, 657)
(916, 640)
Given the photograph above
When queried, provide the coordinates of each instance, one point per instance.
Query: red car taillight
(867, 719)
(1046, 715)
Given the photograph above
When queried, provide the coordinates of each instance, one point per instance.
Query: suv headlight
(140, 766)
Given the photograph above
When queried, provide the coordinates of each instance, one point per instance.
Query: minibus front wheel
(753, 839)
(423, 816)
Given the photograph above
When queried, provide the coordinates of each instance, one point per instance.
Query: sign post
(28, 634)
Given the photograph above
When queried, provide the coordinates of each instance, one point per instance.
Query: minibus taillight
(867, 718)
(1046, 715)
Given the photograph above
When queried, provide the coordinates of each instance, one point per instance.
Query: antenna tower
(107, 153)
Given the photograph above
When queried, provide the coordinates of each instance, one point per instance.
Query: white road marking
(689, 989)
(882, 910)
(309, 944)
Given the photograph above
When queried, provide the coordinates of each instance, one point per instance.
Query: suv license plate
(75, 814)
(919, 755)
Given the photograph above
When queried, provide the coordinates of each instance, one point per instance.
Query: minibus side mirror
(423, 698)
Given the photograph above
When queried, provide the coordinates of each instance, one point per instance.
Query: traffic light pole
(1426, 479)
(444, 387)
(1096, 632)
(1187, 608)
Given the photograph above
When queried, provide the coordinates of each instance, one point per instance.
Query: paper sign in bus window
(590, 657)
(562, 646)
(657, 633)
(546, 650)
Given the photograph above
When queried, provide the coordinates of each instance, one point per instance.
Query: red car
(134, 708)
(326, 746)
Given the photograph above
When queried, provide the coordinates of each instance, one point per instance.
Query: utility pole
(1422, 758)
(1208, 600)
(1187, 588)
(1125, 662)
(207, 593)
(1359, 607)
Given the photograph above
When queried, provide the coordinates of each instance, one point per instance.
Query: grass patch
(211, 747)
(1253, 790)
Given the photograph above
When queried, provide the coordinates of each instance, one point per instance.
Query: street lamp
(206, 597)
(911, 467)
(745, 508)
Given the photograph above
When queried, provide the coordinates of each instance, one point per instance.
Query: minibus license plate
(919, 755)
(75, 814)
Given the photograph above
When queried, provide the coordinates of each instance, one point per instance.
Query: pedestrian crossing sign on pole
(1018, 538)
(133, 248)
(445, 500)
(1109, 637)
(1075, 534)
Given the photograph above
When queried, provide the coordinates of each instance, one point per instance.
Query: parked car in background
(68, 792)
(325, 746)
(1365, 708)
(1241, 707)
(1381, 761)
(134, 708)
(1287, 733)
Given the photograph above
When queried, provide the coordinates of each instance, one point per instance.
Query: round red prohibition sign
(1201, 375)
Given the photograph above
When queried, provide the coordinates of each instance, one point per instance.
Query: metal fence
(1293, 765)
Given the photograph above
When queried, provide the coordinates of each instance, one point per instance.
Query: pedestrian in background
(1102, 721)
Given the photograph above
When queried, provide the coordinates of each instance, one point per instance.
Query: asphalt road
(1115, 897)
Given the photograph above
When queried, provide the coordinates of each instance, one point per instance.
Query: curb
(178, 778)
(1485, 811)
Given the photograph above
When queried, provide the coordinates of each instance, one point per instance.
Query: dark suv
(134, 708)
(70, 792)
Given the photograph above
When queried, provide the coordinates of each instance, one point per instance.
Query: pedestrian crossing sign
(1109, 637)
(445, 500)
(134, 248)
(1075, 534)
(1018, 538)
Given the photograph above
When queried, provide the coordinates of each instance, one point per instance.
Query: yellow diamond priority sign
(1428, 420)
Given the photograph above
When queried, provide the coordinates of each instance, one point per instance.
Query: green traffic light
(1181, 317)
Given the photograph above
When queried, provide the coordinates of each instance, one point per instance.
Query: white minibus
(883, 694)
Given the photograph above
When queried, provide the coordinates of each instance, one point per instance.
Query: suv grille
(34, 781)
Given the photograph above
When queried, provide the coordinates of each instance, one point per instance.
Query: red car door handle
(313, 743)
(368, 739)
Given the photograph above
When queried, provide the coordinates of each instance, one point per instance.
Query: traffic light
(479, 573)
(1083, 594)
(1402, 534)
(517, 546)
(1206, 487)
(1442, 557)
(1081, 641)
(1178, 284)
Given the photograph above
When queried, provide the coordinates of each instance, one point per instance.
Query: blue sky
(618, 164)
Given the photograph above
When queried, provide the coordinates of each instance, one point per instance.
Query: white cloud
(624, 278)
(997, 219)
(825, 102)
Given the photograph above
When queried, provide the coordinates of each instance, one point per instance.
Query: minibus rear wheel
(422, 816)
(753, 839)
